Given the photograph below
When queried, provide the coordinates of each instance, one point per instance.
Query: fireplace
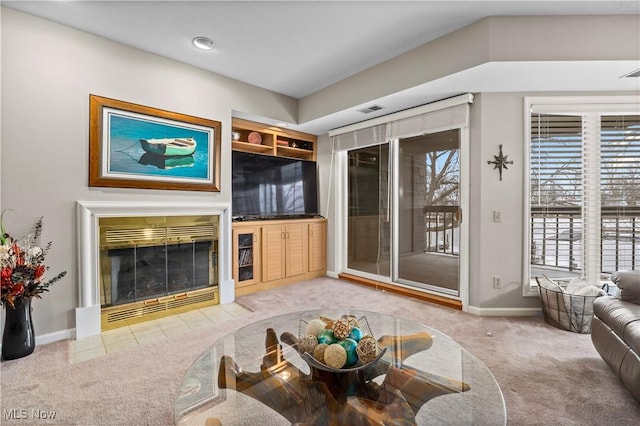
(156, 266)
(140, 261)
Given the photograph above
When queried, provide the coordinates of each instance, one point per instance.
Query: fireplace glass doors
(141, 273)
(146, 258)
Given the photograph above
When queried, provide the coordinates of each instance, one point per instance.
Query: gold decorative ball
(353, 321)
(307, 343)
(335, 356)
(315, 327)
(341, 328)
(367, 349)
(318, 352)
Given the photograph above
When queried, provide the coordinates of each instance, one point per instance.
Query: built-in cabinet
(246, 258)
(259, 138)
(271, 253)
(282, 252)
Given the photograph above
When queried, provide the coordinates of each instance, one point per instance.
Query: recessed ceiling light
(203, 43)
(281, 124)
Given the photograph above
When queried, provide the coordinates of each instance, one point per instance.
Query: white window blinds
(585, 188)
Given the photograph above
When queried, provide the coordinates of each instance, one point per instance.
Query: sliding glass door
(429, 211)
(369, 239)
(417, 243)
(401, 192)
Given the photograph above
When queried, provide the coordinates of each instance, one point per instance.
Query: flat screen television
(266, 187)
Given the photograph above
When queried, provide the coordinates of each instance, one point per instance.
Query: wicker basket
(567, 311)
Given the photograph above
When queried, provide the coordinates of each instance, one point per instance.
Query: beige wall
(48, 72)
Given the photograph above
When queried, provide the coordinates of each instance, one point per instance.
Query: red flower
(5, 280)
(39, 271)
(18, 289)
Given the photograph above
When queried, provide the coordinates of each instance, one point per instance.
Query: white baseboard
(332, 274)
(56, 336)
(504, 312)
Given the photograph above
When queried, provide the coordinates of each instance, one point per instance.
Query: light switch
(497, 216)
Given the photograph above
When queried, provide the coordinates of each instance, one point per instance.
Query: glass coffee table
(256, 375)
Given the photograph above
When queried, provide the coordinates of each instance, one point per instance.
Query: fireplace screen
(141, 260)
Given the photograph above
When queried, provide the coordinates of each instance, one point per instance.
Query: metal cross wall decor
(500, 162)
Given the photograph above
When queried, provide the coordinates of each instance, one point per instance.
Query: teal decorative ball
(350, 346)
(327, 337)
(356, 334)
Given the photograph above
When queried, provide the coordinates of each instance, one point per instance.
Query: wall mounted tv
(266, 187)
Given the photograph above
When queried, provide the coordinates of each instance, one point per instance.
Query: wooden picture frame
(136, 146)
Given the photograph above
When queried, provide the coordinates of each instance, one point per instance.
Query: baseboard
(56, 336)
(43, 339)
(504, 312)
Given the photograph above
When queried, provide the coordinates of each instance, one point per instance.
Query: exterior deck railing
(442, 229)
(556, 238)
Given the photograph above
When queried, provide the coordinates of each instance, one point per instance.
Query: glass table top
(256, 375)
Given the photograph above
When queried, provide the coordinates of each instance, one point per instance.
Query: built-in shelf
(273, 140)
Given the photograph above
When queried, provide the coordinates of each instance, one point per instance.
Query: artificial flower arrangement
(23, 269)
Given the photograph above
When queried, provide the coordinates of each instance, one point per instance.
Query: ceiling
(297, 48)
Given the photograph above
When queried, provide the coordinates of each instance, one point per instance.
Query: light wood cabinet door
(296, 249)
(273, 252)
(284, 251)
(317, 246)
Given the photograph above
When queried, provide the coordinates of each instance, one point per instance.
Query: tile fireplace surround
(88, 216)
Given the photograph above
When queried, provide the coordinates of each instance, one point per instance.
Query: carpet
(548, 376)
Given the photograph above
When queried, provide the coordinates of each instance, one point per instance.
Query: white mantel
(88, 215)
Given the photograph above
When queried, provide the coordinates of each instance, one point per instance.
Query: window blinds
(589, 161)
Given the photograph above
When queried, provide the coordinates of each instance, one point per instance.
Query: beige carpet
(548, 376)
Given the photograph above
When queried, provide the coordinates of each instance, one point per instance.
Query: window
(583, 193)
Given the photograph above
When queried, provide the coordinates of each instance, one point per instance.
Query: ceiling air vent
(370, 109)
(635, 73)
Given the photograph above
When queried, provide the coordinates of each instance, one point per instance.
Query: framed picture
(135, 146)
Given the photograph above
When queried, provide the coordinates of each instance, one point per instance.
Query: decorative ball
(307, 343)
(355, 334)
(335, 356)
(318, 352)
(349, 346)
(367, 349)
(315, 327)
(353, 321)
(327, 337)
(341, 328)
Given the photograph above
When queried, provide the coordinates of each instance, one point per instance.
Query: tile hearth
(138, 334)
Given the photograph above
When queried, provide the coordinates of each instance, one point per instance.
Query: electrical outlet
(497, 282)
(497, 216)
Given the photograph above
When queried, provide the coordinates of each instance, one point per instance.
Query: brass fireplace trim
(122, 232)
(136, 312)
